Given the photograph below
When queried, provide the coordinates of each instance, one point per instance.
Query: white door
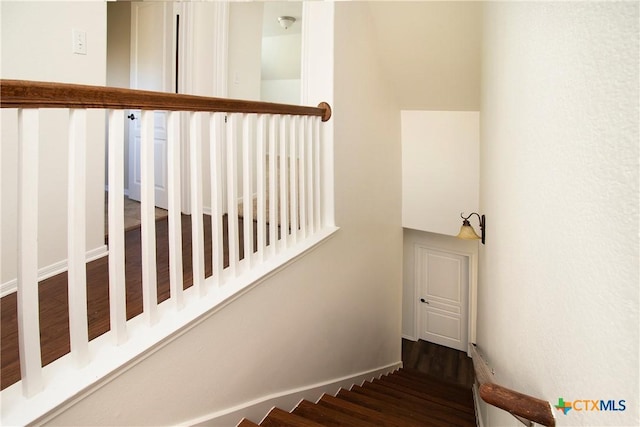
(152, 68)
(442, 284)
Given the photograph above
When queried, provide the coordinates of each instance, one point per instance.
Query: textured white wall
(430, 52)
(245, 47)
(334, 312)
(281, 91)
(281, 68)
(119, 58)
(36, 45)
(440, 169)
(281, 57)
(558, 289)
(118, 44)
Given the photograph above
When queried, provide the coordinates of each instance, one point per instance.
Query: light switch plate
(79, 42)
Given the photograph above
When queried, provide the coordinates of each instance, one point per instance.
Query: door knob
(131, 117)
(424, 301)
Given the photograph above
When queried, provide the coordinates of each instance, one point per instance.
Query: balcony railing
(268, 159)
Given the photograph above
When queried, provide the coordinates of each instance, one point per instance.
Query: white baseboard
(256, 410)
(51, 270)
(410, 337)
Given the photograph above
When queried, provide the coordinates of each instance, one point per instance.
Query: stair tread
(437, 414)
(462, 403)
(389, 408)
(362, 412)
(432, 396)
(329, 416)
(279, 418)
(451, 391)
(246, 423)
(425, 401)
(422, 377)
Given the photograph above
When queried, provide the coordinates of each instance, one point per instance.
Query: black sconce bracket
(481, 220)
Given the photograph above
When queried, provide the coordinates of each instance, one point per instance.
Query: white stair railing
(273, 170)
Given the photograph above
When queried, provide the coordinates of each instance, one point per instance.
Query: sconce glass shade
(467, 232)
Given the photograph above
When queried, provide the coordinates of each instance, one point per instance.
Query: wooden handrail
(32, 94)
(522, 406)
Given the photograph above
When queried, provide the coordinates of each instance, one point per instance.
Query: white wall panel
(36, 45)
(440, 169)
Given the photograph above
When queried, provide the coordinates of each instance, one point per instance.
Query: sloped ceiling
(430, 52)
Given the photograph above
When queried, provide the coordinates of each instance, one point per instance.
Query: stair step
(439, 411)
(436, 414)
(389, 408)
(447, 391)
(364, 413)
(457, 402)
(328, 416)
(404, 398)
(416, 377)
(430, 379)
(279, 418)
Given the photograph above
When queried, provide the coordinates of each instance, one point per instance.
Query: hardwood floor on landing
(53, 297)
(449, 365)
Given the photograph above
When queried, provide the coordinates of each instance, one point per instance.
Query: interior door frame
(472, 299)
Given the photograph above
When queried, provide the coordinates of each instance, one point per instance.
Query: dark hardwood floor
(53, 296)
(447, 364)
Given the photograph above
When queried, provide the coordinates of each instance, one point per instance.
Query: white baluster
(232, 193)
(148, 218)
(76, 237)
(261, 185)
(27, 294)
(197, 226)
(293, 178)
(216, 138)
(310, 177)
(273, 196)
(302, 173)
(117, 285)
(176, 277)
(248, 141)
(317, 203)
(284, 200)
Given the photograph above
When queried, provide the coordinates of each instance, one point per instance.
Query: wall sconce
(467, 232)
(286, 21)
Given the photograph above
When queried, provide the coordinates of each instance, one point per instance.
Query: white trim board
(256, 410)
(410, 337)
(48, 271)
